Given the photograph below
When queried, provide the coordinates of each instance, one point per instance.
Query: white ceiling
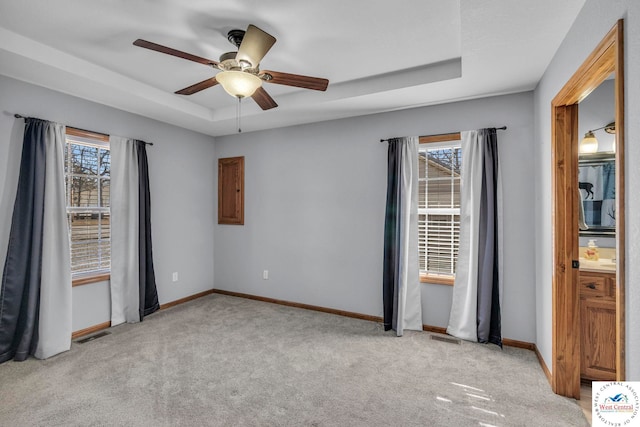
(377, 55)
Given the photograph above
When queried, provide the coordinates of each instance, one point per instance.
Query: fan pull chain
(239, 113)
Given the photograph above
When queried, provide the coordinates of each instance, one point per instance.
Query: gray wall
(595, 19)
(182, 168)
(314, 217)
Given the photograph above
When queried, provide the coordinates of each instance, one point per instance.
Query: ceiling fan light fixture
(589, 143)
(239, 84)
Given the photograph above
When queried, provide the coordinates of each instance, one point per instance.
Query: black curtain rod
(449, 133)
(18, 116)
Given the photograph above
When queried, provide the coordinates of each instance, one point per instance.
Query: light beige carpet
(225, 361)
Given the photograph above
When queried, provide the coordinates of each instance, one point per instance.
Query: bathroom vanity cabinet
(597, 325)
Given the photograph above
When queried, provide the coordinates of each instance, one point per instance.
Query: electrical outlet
(175, 276)
(265, 275)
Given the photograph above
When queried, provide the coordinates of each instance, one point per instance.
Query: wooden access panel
(231, 190)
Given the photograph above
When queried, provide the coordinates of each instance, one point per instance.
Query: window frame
(444, 140)
(86, 278)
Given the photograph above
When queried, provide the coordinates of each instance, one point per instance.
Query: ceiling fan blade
(263, 99)
(255, 45)
(198, 87)
(297, 80)
(169, 51)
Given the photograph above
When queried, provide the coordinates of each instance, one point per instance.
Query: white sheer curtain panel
(462, 319)
(409, 300)
(54, 321)
(125, 274)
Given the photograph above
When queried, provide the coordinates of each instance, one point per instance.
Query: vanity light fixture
(589, 143)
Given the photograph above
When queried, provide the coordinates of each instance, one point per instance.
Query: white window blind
(87, 175)
(439, 207)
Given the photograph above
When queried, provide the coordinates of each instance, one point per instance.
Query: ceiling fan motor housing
(229, 56)
(235, 37)
(228, 59)
(228, 62)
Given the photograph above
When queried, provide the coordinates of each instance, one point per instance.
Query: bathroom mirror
(597, 185)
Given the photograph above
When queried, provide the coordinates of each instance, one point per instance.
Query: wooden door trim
(605, 59)
(566, 302)
(620, 204)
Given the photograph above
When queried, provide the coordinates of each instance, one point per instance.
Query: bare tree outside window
(87, 173)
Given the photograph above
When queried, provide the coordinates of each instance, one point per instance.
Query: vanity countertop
(602, 265)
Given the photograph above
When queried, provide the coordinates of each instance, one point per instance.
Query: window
(87, 178)
(439, 210)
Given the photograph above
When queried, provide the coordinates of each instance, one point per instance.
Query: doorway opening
(606, 59)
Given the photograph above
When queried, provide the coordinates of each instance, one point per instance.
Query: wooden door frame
(607, 58)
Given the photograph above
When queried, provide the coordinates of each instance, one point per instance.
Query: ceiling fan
(240, 73)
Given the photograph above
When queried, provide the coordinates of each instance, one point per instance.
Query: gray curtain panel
(391, 234)
(147, 285)
(401, 282)
(475, 304)
(35, 297)
(133, 284)
(488, 314)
